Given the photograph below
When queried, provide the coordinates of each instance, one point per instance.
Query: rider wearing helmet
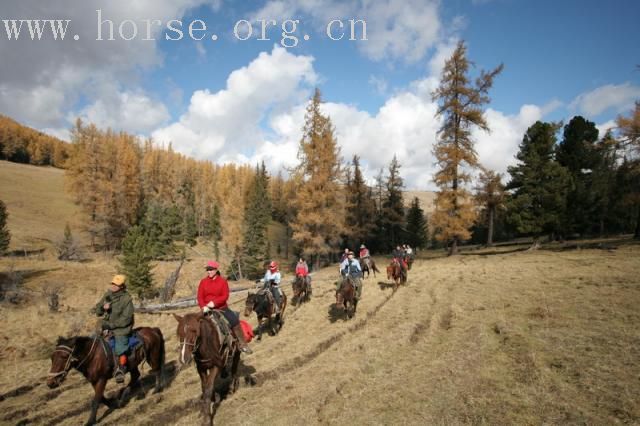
(272, 280)
(351, 267)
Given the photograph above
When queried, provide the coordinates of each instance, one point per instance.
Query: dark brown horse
(202, 340)
(394, 272)
(264, 306)
(368, 264)
(346, 296)
(93, 357)
(301, 290)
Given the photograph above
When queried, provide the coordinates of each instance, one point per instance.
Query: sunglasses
(210, 269)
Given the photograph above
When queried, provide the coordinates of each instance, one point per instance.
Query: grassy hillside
(426, 199)
(37, 203)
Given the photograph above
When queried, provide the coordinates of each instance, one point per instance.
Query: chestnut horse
(368, 265)
(264, 306)
(301, 290)
(93, 357)
(346, 296)
(213, 351)
(394, 272)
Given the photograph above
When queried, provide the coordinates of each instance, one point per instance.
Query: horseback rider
(116, 309)
(302, 270)
(399, 256)
(344, 255)
(364, 252)
(351, 267)
(213, 293)
(272, 280)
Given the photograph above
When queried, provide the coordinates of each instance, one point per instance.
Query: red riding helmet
(273, 266)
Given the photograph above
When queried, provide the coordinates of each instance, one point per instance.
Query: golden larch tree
(461, 109)
(319, 221)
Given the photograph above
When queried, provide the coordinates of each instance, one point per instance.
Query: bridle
(70, 358)
(184, 344)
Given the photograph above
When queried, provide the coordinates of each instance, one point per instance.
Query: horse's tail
(162, 348)
(374, 267)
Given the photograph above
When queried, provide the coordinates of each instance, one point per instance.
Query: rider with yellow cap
(116, 309)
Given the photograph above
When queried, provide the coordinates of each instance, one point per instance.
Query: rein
(71, 358)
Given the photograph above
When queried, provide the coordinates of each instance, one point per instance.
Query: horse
(263, 305)
(213, 351)
(93, 357)
(409, 262)
(346, 296)
(368, 264)
(394, 272)
(301, 290)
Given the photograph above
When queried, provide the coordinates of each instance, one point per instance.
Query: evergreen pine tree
(538, 185)
(577, 153)
(135, 261)
(490, 195)
(67, 249)
(360, 218)
(256, 220)
(393, 207)
(417, 233)
(460, 106)
(5, 235)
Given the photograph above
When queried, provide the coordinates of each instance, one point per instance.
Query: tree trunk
(490, 230)
(637, 233)
(453, 250)
(535, 245)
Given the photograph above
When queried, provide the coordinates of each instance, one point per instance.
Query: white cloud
(48, 77)
(617, 97)
(396, 29)
(131, 111)
(379, 84)
(497, 149)
(231, 118)
(604, 127)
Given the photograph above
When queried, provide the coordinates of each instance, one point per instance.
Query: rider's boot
(242, 343)
(121, 369)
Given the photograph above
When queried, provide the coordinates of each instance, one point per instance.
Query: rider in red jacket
(302, 270)
(213, 293)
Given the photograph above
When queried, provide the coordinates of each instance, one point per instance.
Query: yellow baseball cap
(118, 280)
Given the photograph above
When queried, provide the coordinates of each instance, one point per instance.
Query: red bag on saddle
(247, 330)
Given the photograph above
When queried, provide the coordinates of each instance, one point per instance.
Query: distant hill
(426, 199)
(22, 144)
(38, 206)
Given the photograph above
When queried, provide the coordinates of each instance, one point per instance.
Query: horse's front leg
(98, 397)
(260, 325)
(208, 398)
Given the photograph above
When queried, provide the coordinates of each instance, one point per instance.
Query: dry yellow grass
(37, 204)
(524, 338)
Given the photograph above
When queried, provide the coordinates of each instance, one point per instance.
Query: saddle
(222, 327)
(109, 346)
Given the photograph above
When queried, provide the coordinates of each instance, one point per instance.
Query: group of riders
(116, 305)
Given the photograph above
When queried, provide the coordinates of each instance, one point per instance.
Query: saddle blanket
(134, 342)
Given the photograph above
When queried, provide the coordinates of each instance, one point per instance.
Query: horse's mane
(72, 340)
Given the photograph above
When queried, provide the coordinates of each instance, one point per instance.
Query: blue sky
(243, 101)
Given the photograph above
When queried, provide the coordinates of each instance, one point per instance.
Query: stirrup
(246, 349)
(119, 375)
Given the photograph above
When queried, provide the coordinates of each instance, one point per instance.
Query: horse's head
(188, 332)
(250, 303)
(62, 359)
